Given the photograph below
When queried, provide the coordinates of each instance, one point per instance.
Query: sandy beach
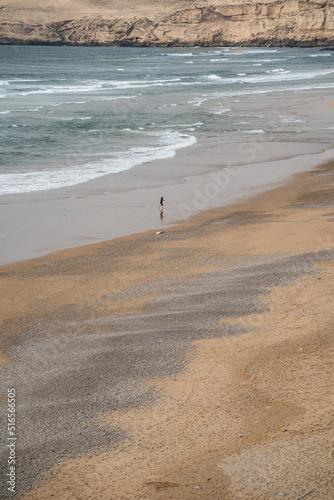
(208, 175)
(197, 363)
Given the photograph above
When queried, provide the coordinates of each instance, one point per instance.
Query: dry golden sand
(251, 417)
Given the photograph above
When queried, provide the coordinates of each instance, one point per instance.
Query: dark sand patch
(88, 333)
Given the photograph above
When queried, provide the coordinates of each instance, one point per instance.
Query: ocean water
(70, 115)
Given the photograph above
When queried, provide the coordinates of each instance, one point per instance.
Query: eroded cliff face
(292, 22)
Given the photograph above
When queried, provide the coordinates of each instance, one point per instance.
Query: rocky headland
(176, 23)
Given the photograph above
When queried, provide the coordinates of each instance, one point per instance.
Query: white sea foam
(277, 71)
(186, 54)
(185, 125)
(251, 116)
(95, 86)
(55, 105)
(169, 86)
(106, 86)
(96, 99)
(72, 118)
(198, 101)
(214, 77)
(272, 60)
(221, 110)
(5, 112)
(168, 144)
(35, 109)
(197, 124)
(320, 55)
(251, 51)
(222, 51)
(266, 78)
(29, 80)
(245, 92)
(289, 120)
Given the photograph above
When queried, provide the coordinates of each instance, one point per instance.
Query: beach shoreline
(184, 356)
(37, 224)
(197, 360)
(38, 214)
(203, 177)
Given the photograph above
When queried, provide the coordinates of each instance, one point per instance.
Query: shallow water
(71, 115)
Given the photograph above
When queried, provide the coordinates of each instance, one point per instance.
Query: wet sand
(215, 172)
(195, 363)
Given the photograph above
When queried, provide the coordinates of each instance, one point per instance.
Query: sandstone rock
(279, 23)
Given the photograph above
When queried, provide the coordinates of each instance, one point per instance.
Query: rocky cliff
(292, 22)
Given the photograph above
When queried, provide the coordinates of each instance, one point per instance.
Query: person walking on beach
(161, 206)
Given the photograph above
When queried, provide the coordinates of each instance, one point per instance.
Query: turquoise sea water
(69, 115)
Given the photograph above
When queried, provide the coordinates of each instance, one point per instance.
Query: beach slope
(197, 362)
